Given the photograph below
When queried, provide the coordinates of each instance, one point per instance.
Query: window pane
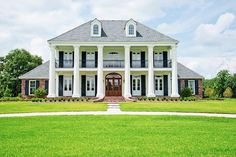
(95, 29)
(160, 84)
(70, 85)
(138, 88)
(131, 29)
(65, 85)
(88, 85)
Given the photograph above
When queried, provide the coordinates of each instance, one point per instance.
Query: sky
(205, 29)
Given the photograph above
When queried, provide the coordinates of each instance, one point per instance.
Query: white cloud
(216, 33)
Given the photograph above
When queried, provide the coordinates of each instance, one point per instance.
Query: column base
(76, 96)
(128, 95)
(100, 96)
(151, 95)
(175, 95)
(51, 96)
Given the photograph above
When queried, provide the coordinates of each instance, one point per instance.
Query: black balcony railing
(162, 64)
(139, 64)
(88, 64)
(113, 63)
(64, 64)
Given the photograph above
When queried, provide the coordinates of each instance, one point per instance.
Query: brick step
(114, 99)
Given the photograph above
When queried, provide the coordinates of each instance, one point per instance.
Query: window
(191, 85)
(131, 29)
(95, 29)
(32, 86)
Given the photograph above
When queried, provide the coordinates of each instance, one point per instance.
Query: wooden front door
(113, 84)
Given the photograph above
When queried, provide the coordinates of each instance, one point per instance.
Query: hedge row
(166, 99)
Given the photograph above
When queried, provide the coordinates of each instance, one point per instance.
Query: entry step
(113, 108)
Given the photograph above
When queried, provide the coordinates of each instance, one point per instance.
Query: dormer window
(96, 28)
(130, 28)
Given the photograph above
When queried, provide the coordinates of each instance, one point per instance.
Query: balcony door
(67, 89)
(158, 59)
(90, 59)
(113, 84)
(159, 85)
(136, 85)
(68, 59)
(90, 85)
(136, 59)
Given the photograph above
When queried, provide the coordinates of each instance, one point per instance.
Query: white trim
(34, 87)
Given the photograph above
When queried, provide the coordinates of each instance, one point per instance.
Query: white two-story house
(113, 58)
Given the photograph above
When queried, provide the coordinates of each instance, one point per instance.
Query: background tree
(222, 81)
(16, 63)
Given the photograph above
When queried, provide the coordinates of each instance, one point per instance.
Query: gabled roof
(112, 31)
(186, 73)
(42, 72)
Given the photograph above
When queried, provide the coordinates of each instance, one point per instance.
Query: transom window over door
(32, 86)
(191, 85)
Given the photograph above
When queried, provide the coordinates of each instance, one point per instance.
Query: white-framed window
(191, 85)
(95, 29)
(131, 29)
(32, 86)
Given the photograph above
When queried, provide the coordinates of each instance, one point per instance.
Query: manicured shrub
(38, 100)
(186, 92)
(228, 93)
(12, 99)
(40, 93)
(209, 92)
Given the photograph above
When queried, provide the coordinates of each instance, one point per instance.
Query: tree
(209, 92)
(222, 81)
(228, 93)
(16, 63)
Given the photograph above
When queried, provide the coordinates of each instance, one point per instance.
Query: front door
(136, 59)
(90, 59)
(90, 85)
(159, 85)
(67, 86)
(113, 85)
(136, 85)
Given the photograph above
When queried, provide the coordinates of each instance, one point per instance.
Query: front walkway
(116, 113)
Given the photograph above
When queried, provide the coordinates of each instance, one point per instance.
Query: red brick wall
(41, 85)
(200, 86)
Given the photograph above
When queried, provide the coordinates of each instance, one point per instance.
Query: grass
(117, 136)
(211, 106)
(16, 107)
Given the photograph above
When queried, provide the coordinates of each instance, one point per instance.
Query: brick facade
(41, 85)
(200, 86)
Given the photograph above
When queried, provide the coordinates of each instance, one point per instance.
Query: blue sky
(206, 29)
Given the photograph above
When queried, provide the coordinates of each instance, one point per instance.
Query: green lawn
(226, 106)
(16, 107)
(117, 136)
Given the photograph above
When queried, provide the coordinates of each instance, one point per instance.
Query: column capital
(127, 46)
(76, 46)
(174, 46)
(100, 46)
(150, 46)
(53, 47)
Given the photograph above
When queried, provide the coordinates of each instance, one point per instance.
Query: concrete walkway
(113, 112)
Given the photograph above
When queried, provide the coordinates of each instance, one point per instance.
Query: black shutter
(73, 58)
(131, 89)
(96, 59)
(61, 58)
(179, 85)
(26, 87)
(143, 84)
(60, 92)
(165, 85)
(96, 79)
(196, 87)
(142, 59)
(37, 84)
(130, 59)
(165, 61)
(46, 86)
(83, 59)
(83, 85)
(186, 83)
(72, 84)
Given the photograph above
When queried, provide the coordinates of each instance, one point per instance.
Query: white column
(174, 92)
(100, 85)
(127, 93)
(76, 88)
(52, 74)
(150, 72)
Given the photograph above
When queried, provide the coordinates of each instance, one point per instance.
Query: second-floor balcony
(139, 64)
(113, 63)
(162, 63)
(64, 63)
(88, 64)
